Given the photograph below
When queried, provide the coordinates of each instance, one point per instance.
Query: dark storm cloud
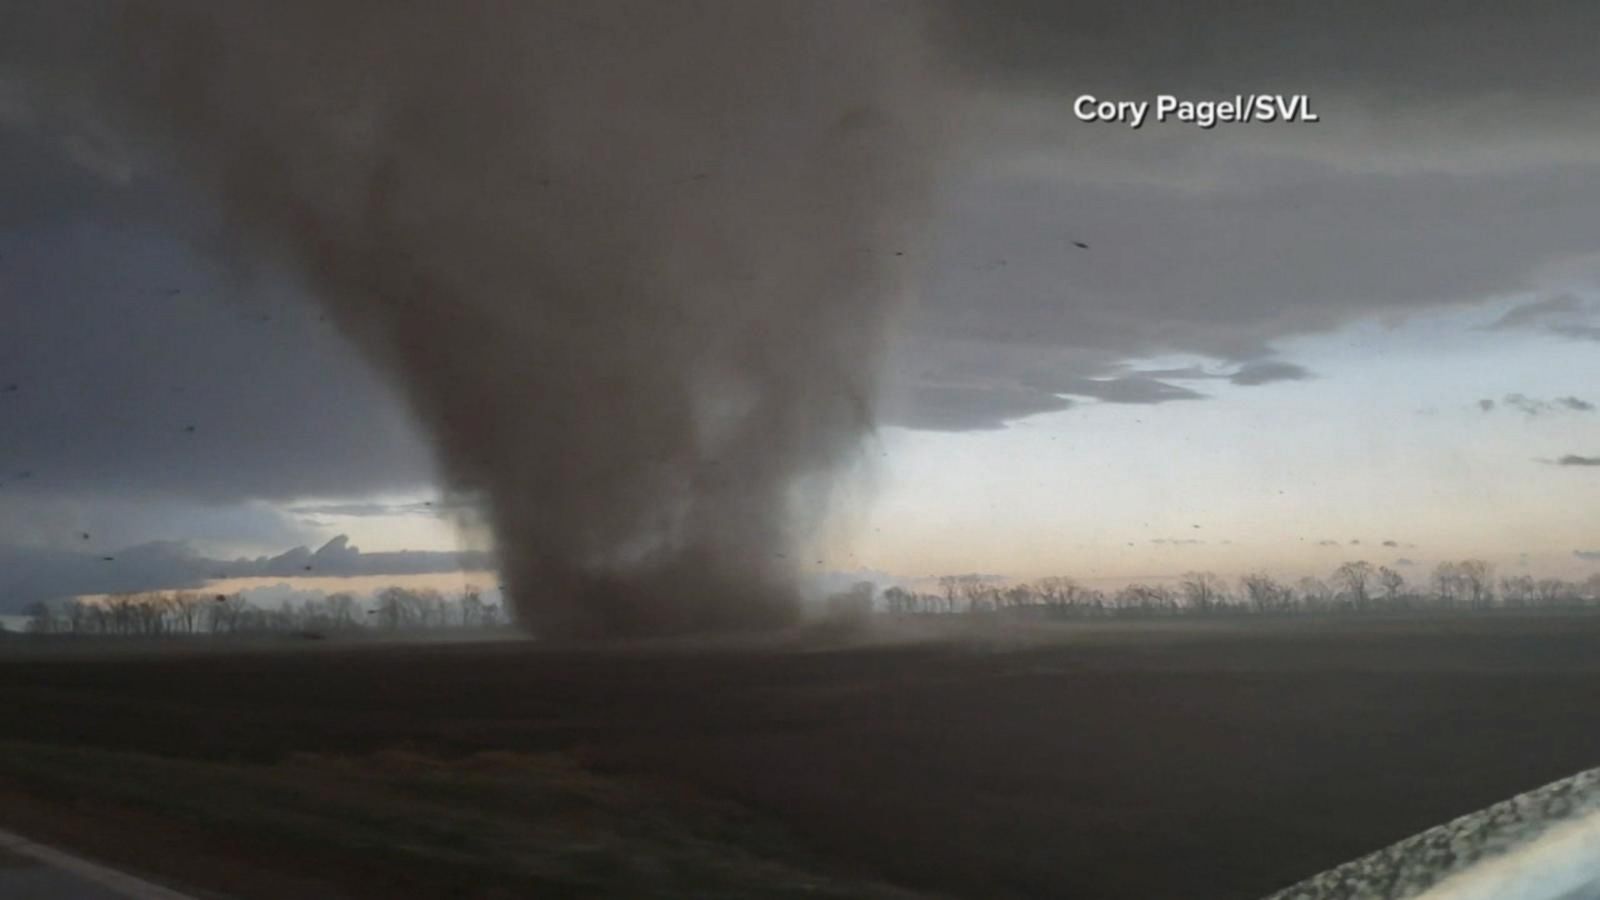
(1526, 405)
(1565, 315)
(1133, 389)
(971, 408)
(1533, 406)
(1424, 49)
(44, 187)
(371, 510)
(132, 366)
(1250, 374)
(987, 407)
(961, 385)
(338, 557)
(1565, 310)
(1454, 161)
(1572, 459)
(1587, 555)
(1220, 243)
(87, 518)
(1269, 371)
(33, 574)
(1224, 272)
(30, 574)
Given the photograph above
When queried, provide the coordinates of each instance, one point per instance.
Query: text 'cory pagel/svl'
(1239, 109)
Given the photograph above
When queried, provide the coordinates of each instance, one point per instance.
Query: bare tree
(1157, 599)
(1393, 585)
(1203, 592)
(1517, 591)
(1591, 589)
(188, 609)
(1353, 579)
(1448, 584)
(1316, 594)
(1554, 591)
(1066, 596)
(978, 592)
(1019, 596)
(396, 608)
(343, 610)
(79, 616)
(853, 604)
(1264, 594)
(1477, 578)
(226, 613)
(42, 618)
(898, 601)
(430, 608)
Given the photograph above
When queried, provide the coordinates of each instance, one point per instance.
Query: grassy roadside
(396, 823)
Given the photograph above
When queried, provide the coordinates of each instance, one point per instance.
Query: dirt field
(1143, 761)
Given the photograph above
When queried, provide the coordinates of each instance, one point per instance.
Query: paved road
(30, 871)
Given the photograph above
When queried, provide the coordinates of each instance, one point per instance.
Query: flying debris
(11, 388)
(85, 535)
(108, 559)
(188, 429)
(1080, 245)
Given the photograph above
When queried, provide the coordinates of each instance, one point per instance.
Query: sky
(1284, 345)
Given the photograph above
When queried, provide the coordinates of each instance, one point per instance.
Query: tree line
(159, 614)
(1354, 587)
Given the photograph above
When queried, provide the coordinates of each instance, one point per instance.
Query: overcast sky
(1284, 346)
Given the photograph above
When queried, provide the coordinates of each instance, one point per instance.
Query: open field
(1142, 760)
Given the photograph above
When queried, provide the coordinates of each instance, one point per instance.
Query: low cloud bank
(35, 574)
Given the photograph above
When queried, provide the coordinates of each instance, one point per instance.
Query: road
(36, 872)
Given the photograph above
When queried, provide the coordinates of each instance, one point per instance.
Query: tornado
(631, 263)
